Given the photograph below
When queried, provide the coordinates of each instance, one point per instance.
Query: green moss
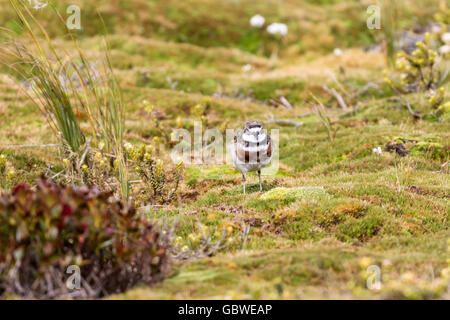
(291, 88)
(430, 149)
(303, 229)
(194, 174)
(444, 111)
(340, 213)
(359, 229)
(280, 196)
(209, 199)
(300, 193)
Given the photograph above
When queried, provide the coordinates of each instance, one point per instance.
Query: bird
(251, 150)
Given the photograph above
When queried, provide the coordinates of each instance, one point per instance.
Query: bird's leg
(243, 182)
(260, 185)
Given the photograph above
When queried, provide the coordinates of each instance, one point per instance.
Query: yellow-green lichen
(299, 193)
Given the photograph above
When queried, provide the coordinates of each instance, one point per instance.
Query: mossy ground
(386, 210)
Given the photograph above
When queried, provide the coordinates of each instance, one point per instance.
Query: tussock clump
(51, 231)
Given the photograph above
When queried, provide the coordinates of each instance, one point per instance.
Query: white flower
(37, 4)
(446, 38)
(337, 52)
(247, 68)
(377, 151)
(436, 28)
(257, 21)
(278, 28)
(128, 146)
(444, 49)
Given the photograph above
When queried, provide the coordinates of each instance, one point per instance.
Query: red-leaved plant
(46, 229)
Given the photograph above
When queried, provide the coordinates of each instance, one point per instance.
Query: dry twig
(338, 97)
(271, 119)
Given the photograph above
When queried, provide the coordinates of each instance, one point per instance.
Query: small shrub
(438, 104)
(45, 230)
(203, 241)
(2, 163)
(159, 184)
(418, 71)
(436, 98)
(2, 170)
(99, 171)
(443, 111)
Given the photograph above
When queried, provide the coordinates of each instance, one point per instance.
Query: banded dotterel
(251, 150)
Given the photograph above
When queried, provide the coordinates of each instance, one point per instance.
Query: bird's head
(254, 132)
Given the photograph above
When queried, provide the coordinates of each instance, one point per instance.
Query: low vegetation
(51, 232)
(363, 154)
